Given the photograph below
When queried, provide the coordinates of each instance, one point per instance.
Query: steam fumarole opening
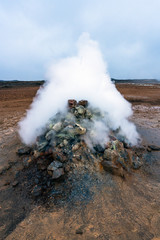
(80, 77)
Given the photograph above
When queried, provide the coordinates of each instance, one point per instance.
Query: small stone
(15, 183)
(57, 173)
(110, 155)
(37, 191)
(88, 114)
(80, 110)
(54, 165)
(65, 142)
(27, 161)
(154, 147)
(61, 145)
(72, 103)
(41, 145)
(57, 127)
(99, 148)
(83, 103)
(77, 157)
(79, 129)
(149, 149)
(23, 151)
(75, 147)
(136, 163)
(79, 231)
(50, 135)
(117, 145)
(48, 151)
(36, 154)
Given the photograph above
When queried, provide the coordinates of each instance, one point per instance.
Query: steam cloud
(80, 77)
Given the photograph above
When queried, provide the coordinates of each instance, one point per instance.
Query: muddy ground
(105, 208)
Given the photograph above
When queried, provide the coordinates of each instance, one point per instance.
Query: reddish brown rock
(83, 103)
(112, 168)
(72, 103)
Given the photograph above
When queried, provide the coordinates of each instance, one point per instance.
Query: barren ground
(117, 209)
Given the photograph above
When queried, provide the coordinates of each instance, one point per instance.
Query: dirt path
(103, 208)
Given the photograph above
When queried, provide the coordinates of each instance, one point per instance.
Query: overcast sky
(33, 33)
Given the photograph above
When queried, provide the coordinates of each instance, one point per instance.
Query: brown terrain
(116, 209)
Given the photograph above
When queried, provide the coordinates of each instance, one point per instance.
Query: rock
(41, 145)
(57, 127)
(117, 145)
(79, 231)
(36, 154)
(72, 103)
(83, 103)
(54, 165)
(27, 161)
(57, 173)
(136, 163)
(48, 151)
(76, 147)
(125, 164)
(111, 155)
(37, 191)
(112, 168)
(76, 157)
(50, 135)
(24, 151)
(99, 148)
(80, 110)
(149, 149)
(79, 129)
(62, 136)
(88, 114)
(154, 147)
(65, 142)
(15, 183)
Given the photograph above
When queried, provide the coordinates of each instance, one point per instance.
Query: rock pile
(61, 150)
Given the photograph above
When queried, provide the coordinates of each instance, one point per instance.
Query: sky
(35, 33)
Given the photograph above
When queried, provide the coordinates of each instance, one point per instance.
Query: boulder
(72, 103)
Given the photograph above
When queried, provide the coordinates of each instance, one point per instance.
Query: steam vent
(65, 156)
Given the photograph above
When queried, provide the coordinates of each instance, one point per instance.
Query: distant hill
(136, 81)
(17, 83)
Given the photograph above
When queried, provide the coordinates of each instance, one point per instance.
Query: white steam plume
(81, 77)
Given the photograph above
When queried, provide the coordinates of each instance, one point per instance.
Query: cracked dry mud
(104, 208)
